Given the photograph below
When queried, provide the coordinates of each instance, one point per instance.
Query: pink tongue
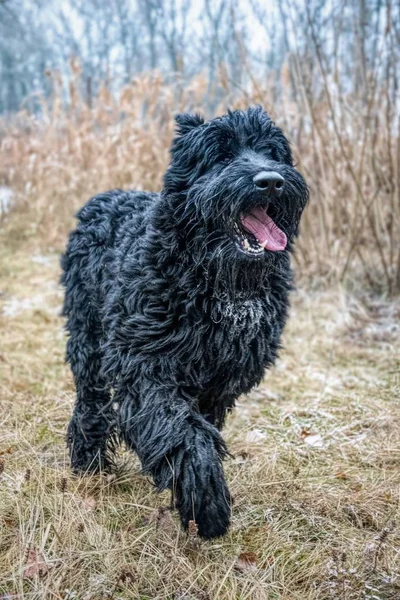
(264, 229)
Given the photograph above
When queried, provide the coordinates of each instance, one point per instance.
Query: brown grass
(315, 475)
(348, 147)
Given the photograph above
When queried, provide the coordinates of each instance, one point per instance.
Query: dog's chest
(237, 319)
(238, 331)
(237, 342)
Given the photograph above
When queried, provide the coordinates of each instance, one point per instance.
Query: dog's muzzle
(256, 231)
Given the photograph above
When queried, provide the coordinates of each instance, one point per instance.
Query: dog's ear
(188, 122)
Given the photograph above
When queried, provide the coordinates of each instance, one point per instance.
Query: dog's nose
(269, 181)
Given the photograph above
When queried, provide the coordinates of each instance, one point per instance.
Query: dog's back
(88, 264)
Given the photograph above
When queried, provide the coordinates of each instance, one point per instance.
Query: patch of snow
(41, 260)
(255, 435)
(6, 196)
(314, 440)
(16, 306)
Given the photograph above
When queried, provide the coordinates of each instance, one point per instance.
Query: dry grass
(347, 145)
(315, 474)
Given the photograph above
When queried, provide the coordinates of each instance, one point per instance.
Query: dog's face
(242, 197)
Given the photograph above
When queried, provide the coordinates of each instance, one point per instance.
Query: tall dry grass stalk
(347, 146)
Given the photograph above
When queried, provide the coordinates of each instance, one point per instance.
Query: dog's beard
(236, 236)
(226, 270)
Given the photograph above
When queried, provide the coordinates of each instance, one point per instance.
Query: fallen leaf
(163, 519)
(36, 565)
(341, 475)
(193, 529)
(305, 433)
(247, 561)
(194, 540)
(357, 487)
(6, 451)
(128, 574)
(9, 523)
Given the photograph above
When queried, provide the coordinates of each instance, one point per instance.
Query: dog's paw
(86, 455)
(213, 516)
(205, 500)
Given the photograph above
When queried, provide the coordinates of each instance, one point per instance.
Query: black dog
(176, 304)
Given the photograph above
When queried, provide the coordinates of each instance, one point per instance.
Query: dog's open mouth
(258, 232)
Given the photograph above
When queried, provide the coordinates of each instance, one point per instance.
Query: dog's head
(233, 185)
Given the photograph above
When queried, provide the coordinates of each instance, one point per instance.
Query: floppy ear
(188, 122)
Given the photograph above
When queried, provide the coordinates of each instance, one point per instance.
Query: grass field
(315, 465)
(315, 471)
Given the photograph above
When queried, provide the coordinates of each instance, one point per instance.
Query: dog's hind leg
(90, 431)
(182, 452)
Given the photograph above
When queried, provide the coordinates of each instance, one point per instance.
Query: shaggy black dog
(176, 303)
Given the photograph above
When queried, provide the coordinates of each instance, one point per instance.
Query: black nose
(270, 181)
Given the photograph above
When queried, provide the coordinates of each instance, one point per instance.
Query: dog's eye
(274, 154)
(226, 161)
(270, 153)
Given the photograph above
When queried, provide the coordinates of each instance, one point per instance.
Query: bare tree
(114, 40)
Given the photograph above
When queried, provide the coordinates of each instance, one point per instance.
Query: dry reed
(346, 145)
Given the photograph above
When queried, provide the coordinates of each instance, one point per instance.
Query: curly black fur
(170, 318)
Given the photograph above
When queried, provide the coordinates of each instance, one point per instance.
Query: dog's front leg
(182, 452)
